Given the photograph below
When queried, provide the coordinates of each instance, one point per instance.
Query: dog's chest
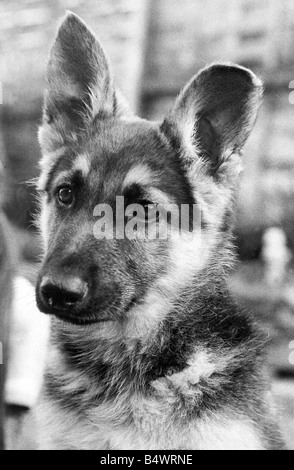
(150, 427)
(159, 419)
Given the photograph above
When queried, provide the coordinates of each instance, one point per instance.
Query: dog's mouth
(80, 320)
(110, 314)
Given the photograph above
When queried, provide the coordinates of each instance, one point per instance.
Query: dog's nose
(62, 295)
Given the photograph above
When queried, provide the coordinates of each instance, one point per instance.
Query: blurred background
(155, 47)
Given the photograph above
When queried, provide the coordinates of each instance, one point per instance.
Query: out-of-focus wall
(28, 28)
(187, 35)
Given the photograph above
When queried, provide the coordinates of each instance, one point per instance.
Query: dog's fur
(158, 356)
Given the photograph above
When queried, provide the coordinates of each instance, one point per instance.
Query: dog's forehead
(125, 152)
(135, 152)
(127, 142)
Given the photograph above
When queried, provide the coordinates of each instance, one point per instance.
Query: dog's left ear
(214, 115)
(79, 82)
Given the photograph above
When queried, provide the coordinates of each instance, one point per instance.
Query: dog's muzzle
(61, 295)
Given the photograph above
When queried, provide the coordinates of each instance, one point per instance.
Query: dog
(148, 350)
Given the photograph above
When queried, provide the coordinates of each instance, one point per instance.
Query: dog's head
(95, 150)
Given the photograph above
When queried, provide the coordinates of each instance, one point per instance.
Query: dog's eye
(65, 196)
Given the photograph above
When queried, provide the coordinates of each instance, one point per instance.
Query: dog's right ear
(79, 84)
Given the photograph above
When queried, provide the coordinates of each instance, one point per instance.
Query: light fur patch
(188, 256)
(82, 164)
(140, 174)
(186, 127)
(218, 434)
(157, 429)
(101, 100)
(153, 428)
(200, 366)
(159, 197)
(43, 221)
(184, 118)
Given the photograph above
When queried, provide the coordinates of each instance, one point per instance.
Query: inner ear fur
(215, 113)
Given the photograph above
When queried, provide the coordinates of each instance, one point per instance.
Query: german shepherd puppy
(148, 350)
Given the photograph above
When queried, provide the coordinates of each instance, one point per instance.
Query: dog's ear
(214, 115)
(79, 82)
